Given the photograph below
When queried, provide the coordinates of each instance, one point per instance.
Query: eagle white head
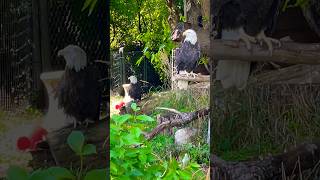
(191, 36)
(76, 58)
(133, 79)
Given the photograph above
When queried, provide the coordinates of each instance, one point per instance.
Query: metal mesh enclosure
(15, 53)
(32, 32)
(69, 25)
(124, 66)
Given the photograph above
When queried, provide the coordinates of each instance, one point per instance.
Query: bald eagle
(78, 91)
(188, 54)
(248, 21)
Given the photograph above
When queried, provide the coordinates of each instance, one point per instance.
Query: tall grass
(264, 119)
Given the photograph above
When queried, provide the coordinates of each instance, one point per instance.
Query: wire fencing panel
(125, 65)
(31, 34)
(15, 53)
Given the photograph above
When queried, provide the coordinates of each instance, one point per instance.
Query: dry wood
(176, 120)
(199, 78)
(296, 74)
(289, 52)
(304, 157)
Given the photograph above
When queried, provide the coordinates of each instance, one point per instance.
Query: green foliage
(133, 157)
(144, 21)
(76, 142)
(295, 3)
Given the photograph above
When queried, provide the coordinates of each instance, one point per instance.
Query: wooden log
(199, 78)
(96, 134)
(176, 120)
(296, 74)
(304, 157)
(289, 52)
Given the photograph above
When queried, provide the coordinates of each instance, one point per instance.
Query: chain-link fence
(15, 53)
(31, 34)
(124, 65)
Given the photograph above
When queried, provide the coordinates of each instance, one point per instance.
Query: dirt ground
(12, 126)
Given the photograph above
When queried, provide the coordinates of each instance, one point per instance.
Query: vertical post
(185, 9)
(45, 39)
(36, 57)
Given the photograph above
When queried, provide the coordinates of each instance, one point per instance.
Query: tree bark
(292, 163)
(289, 52)
(178, 119)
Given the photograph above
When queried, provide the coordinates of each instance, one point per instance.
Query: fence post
(38, 89)
(45, 39)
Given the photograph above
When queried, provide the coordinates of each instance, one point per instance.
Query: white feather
(76, 58)
(191, 36)
(233, 73)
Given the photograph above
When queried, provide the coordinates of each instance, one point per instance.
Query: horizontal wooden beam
(199, 78)
(289, 52)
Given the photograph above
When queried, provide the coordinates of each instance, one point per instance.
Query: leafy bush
(132, 156)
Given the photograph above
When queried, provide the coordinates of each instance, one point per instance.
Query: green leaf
(42, 175)
(134, 107)
(76, 141)
(86, 4)
(89, 149)
(61, 173)
(145, 118)
(120, 119)
(15, 173)
(93, 5)
(136, 132)
(96, 174)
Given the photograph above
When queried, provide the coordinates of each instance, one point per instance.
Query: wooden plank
(199, 78)
(296, 74)
(290, 52)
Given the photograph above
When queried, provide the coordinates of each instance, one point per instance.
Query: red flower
(25, 143)
(120, 105)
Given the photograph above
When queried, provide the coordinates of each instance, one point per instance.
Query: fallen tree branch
(176, 120)
(289, 52)
(296, 74)
(169, 109)
(304, 157)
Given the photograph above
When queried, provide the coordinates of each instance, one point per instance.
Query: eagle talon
(263, 38)
(246, 38)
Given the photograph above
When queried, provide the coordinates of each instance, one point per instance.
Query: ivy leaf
(145, 118)
(96, 174)
(76, 141)
(15, 172)
(89, 149)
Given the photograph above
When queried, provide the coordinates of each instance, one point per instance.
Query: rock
(184, 136)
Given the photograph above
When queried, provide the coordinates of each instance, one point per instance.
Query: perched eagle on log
(246, 20)
(188, 54)
(78, 91)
